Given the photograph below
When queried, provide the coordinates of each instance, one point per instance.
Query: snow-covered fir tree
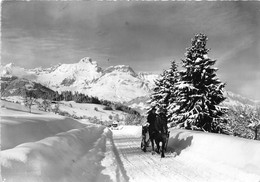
(163, 91)
(254, 120)
(245, 121)
(198, 92)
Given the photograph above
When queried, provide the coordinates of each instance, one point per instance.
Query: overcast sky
(144, 35)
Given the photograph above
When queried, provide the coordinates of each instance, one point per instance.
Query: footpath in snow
(46, 147)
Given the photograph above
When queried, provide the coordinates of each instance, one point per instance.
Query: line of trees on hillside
(83, 98)
(132, 118)
(78, 98)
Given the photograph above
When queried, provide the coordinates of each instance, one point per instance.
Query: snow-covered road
(141, 166)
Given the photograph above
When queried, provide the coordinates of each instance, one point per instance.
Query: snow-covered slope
(119, 83)
(233, 100)
(85, 112)
(149, 78)
(50, 148)
(72, 77)
(82, 110)
(221, 150)
(19, 86)
(140, 104)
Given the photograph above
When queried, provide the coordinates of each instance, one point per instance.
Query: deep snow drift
(47, 147)
(40, 147)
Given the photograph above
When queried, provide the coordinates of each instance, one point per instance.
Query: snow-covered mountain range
(116, 83)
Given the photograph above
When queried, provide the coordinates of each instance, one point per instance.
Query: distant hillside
(19, 86)
(140, 104)
(5, 81)
(238, 100)
(13, 86)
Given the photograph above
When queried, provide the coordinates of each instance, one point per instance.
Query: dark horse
(159, 134)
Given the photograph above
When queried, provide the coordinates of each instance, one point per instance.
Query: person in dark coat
(151, 119)
(161, 132)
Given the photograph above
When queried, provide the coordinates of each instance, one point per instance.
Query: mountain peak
(10, 65)
(89, 61)
(11, 69)
(86, 60)
(7, 69)
(121, 68)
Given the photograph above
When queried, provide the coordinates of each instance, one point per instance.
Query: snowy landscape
(40, 146)
(84, 84)
(44, 146)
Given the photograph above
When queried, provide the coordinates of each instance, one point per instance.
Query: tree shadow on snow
(178, 145)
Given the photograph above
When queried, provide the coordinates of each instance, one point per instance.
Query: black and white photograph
(130, 91)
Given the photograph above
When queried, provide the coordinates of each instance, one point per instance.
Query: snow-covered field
(81, 110)
(44, 147)
(90, 110)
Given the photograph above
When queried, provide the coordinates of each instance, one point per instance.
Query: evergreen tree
(58, 97)
(199, 92)
(254, 119)
(245, 121)
(163, 91)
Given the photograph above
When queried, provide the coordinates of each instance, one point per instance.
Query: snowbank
(47, 147)
(19, 129)
(221, 150)
(70, 156)
(73, 155)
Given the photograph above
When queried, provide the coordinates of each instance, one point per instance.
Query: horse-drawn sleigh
(149, 137)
